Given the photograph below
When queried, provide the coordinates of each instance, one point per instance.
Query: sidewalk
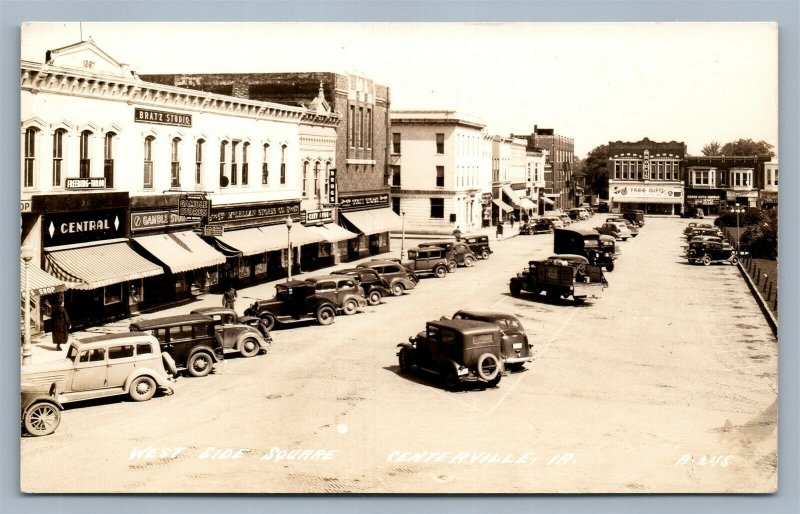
(43, 348)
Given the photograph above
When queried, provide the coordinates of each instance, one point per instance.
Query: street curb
(762, 303)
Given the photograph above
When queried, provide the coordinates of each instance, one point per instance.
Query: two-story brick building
(716, 182)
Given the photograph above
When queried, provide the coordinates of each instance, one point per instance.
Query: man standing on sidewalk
(61, 324)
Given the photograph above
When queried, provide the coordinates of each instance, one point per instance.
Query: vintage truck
(561, 276)
(588, 243)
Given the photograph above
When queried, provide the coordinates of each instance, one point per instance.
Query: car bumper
(518, 360)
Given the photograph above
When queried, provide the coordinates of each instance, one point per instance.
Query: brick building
(716, 182)
(559, 189)
(361, 169)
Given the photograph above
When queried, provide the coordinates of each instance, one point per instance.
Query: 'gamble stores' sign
(194, 207)
(162, 117)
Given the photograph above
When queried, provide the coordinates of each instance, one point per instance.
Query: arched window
(245, 148)
(108, 158)
(283, 165)
(85, 168)
(30, 156)
(198, 162)
(223, 180)
(234, 165)
(175, 163)
(58, 156)
(305, 179)
(316, 180)
(265, 166)
(148, 162)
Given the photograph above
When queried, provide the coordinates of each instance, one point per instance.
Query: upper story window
(351, 126)
(175, 163)
(148, 162)
(361, 127)
(395, 175)
(108, 158)
(198, 161)
(437, 208)
(703, 177)
(440, 176)
(305, 179)
(396, 143)
(265, 165)
(30, 157)
(439, 143)
(315, 191)
(234, 164)
(223, 149)
(85, 153)
(58, 156)
(245, 170)
(369, 128)
(283, 165)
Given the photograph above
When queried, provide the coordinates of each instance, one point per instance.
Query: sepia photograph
(360, 258)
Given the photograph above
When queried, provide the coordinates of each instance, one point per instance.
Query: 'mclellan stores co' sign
(66, 228)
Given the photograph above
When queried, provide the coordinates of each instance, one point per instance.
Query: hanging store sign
(364, 202)
(194, 207)
(320, 215)
(332, 186)
(85, 183)
(82, 227)
(486, 198)
(213, 230)
(162, 117)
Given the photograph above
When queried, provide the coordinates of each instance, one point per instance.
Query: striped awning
(526, 203)
(181, 251)
(92, 267)
(502, 205)
(40, 282)
(251, 241)
(302, 235)
(374, 221)
(512, 195)
(333, 233)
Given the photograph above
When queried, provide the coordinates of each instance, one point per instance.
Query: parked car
(295, 301)
(632, 227)
(394, 274)
(97, 367)
(556, 221)
(614, 230)
(709, 252)
(634, 216)
(479, 244)
(565, 219)
(703, 232)
(457, 350)
(560, 276)
(190, 339)
(428, 261)
(537, 226)
(691, 226)
(585, 242)
(458, 253)
(578, 214)
(602, 207)
(41, 411)
(409, 272)
(238, 334)
(375, 287)
(515, 350)
(342, 290)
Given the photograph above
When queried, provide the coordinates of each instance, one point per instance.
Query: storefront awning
(552, 195)
(374, 221)
(502, 205)
(333, 233)
(92, 267)
(512, 195)
(548, 201)
(526, 204)
(250, 241)
(40, 282)
(181, 251)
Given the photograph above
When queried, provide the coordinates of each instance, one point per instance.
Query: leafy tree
(596, 168)
(742, 147)
(761, 240)
(712, 148)
(751, 216)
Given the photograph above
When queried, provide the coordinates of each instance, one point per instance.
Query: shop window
(108, 158)
(112, 294)
(180, 283)
(148, 162)
(198, 162)
(440, 176)
(265, 166)
(260, 264)
(437, 208)
(121, 352)
(58, 156)
(244, 269)
(396, 143)
(30, 156)
(245, 171)
(175, 165)
(234, 164)
(136, 293)
(213, 277)
(283, 165)
(85, 152)
(439, 143)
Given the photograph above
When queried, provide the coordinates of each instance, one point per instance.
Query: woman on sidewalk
(61, 324)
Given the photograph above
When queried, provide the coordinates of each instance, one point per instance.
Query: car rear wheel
(610, 266)
(42, 418)
(374, 297)
(350, 307)
(485, 254)
(515, 288)
(706, 260)
(250, 347)
(397, 289)
(553, 295)
(488, 367)
(267, 323)
(469, 261)
(325, 315)
(450, 378)
(199, 364)
(452, 266)
(142, 388)
(405, 360)
(734, 260)
(440, 272)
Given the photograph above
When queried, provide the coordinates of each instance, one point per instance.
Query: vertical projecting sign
(332, 185)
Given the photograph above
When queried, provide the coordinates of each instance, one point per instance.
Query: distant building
(559, 187)
(713, 183)
(767, 182)
(646, 175)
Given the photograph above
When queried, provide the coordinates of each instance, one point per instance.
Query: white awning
(552, 195)
(502, 205)
(548, 201)
(302, 235)
(526, 203)
(181, 251)
(251, 241)
(374, 221)
(333, 233)
(512, 195)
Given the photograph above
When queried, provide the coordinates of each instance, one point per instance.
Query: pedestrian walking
(512, 219)
(61, 324)
(499, 234)
(229, 298)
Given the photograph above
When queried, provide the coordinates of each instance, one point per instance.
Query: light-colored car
(624, 231)
(556, 220)
(107, 365)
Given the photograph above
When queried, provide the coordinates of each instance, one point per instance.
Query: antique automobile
(458, 254)
(97, 367)
(554, 220)
(615, 230)
(692, 226)
(632, 227)
(479, 244)
(342, 291)
(41, 411)
(515, 350)
(609, 245)
(578, 214)
(634, 216)
(294, 301)
(560, 276)
(703, 232)
(585, 242)
(190, 339)
(238, 334)
(457, 350)
(537, 226)
(409, 272)
(398, 277)
(375, 287)
(431, 260)
(565, 219)
(709, 252)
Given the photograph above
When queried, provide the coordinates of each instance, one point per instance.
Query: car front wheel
(325, 315)
(706, 260)
(42, 418)
(485, 254)
(350, 307)
(405, 360)
(267, 323)
(469, 261)
(142, 388)
(452, 266)
(374, 297)
(199, 364)
(440, 272)
(397, 289)
(250, 347)
(610, 266)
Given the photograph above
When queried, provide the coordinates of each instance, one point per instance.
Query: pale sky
(690, 82)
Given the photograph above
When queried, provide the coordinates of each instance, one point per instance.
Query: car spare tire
(488, 367)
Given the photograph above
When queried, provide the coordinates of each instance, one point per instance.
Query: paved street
(667, 383)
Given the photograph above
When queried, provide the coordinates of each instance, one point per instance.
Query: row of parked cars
(707, 245)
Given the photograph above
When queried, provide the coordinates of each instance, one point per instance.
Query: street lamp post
(27, 255)
(289, 247)
(738, 234)
(402, 234)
